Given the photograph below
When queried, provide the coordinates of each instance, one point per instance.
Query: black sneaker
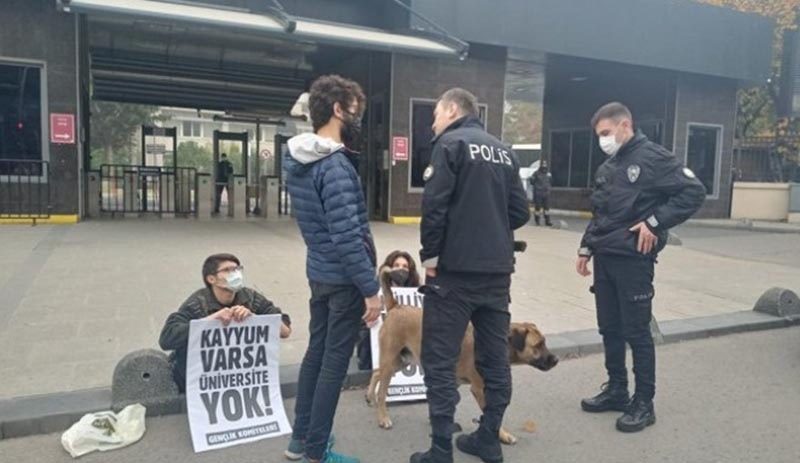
(612, 398)
(537, 220)
(436, 454)
(482, 444)
(639, 415)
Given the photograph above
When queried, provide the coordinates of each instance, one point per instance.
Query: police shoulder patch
(428, 173)
(633, 172)
(688, 172)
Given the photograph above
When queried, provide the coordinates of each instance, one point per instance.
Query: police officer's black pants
(451, 302)
(623, 291)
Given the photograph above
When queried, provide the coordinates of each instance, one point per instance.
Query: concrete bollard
(779, 302)
(145, 377)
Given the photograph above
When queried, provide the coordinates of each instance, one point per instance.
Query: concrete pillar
(270, 188)
(185, 184)
(166, 200)
(131, 192)
(237, 196)
(205, 195)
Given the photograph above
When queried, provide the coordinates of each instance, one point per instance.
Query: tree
(191, 154)
(113, 126)
(757, 105)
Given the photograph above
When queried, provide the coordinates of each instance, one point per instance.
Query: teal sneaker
(331, 457)
(297, 448)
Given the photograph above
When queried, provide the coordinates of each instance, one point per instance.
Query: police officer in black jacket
(473, 200)
(641, 191)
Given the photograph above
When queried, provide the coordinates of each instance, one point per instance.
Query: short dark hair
(614, 110)
(465, 101)
(211, 265)
(329, 90)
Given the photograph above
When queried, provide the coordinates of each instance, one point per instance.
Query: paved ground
(777, 248)
(730, 399)
(75, 299)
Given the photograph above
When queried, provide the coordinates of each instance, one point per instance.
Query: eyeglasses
(230, 269)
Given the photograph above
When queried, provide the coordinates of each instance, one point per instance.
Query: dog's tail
(386, 287)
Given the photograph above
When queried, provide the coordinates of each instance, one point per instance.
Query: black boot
(547, 221)
(536, 218)
(439, 452)
(640, 415)
(483, 444)
(614, 397)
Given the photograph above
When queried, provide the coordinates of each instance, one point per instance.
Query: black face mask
(351, 132)
(399, 276)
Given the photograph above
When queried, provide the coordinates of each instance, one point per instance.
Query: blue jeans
(336, 312)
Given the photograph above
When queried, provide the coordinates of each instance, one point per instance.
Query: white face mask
(609, 144)
(235, 280)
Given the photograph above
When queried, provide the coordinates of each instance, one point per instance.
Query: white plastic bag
(104, 431)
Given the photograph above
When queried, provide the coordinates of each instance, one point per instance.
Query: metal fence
(148, 189)
(24, 189)
(766, 159)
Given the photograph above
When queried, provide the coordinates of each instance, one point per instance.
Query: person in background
(542, 181)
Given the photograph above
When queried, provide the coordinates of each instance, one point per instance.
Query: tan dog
(402, 329)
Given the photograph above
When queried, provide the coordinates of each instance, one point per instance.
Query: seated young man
(224, 298)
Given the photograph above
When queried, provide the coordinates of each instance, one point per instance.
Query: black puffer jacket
(642, 182)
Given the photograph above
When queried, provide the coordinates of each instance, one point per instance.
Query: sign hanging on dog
(233, 393)
(409, 383)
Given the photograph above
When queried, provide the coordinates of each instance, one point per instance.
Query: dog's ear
(516, 339)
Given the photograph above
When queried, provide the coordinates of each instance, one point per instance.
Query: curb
(567, 213)
(50, 413)
(746, 226)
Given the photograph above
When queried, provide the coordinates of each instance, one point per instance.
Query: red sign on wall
(62, 128)
(400, 148)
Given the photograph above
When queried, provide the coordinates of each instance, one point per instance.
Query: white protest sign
(409, 383)
(233, 392)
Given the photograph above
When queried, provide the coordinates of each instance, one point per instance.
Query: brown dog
(402, 329)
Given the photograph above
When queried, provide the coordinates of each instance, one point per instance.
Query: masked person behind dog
(641, 191)
(473, 201)
(224, 298)
(340, 265)
(404, 275)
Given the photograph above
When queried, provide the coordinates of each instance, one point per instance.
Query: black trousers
(541, 202)
(623, 291)
(451, 302)
(218, 195)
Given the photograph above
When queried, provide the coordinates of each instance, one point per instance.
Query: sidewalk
(729, 224)
(737, 416)
(75, 299)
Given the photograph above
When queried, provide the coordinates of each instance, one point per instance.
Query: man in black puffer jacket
(641, 192)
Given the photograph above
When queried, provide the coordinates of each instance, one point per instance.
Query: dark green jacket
(175, 334)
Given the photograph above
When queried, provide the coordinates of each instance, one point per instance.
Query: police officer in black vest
(473, 200)
(641, 191)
